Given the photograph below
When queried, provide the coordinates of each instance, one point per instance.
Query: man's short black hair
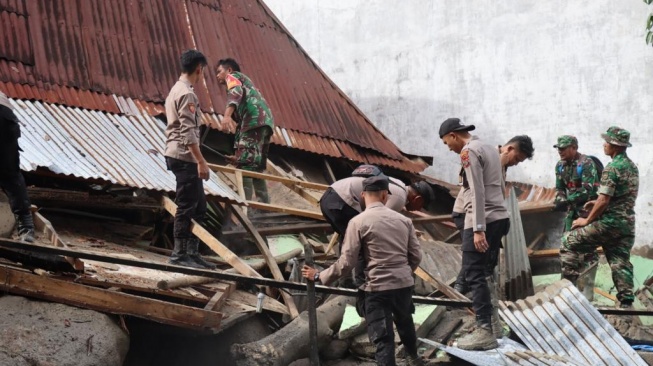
(190, 59)
(229, 62)
(524, 144)
(424, 190)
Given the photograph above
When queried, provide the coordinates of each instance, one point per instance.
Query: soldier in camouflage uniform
(248, 113)
(611, 223)
(577, 179)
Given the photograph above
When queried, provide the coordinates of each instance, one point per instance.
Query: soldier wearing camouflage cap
(611, 222)
(577, 180)
(248, 114)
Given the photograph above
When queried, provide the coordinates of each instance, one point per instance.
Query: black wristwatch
(316, 277)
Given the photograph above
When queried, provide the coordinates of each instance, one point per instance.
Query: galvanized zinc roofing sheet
(519, 279)
(561, 321)
(80, 53)
(125, 150)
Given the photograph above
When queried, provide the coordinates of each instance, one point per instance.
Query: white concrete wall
(542, 68)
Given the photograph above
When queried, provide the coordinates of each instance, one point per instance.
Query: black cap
(376, 183)
(424, 190)
(454, 124)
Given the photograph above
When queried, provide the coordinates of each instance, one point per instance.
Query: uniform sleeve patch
(192, 107)
(232, 82)
(464, 158)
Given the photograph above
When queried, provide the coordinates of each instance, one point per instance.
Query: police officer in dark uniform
(11, 180)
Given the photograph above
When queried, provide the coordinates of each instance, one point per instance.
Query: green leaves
(648, 2)
(649, 38)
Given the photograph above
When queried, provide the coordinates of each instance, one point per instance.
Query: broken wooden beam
(216, 302)
(247, 173)
(286, 229)
(45, 226)
(41, 287)
(267, 255)
(213, 243)
(285, 209)
(449, 291)
(240, 279)
(62, 198)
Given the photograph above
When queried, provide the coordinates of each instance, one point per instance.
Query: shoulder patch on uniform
(232, 82)
(464, 158)
(192, 107)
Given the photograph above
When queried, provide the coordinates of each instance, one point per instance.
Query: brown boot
(481, 339)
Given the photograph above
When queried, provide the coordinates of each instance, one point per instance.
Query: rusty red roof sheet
(82, 53)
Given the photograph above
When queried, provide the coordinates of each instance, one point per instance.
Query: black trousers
(381, 308)
(336, 211)
(338, 214)
(190, 199)
(12, 181)
(477, 266)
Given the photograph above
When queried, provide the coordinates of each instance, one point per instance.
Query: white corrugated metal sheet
(509, 353)
(561, 321)
(121, 149)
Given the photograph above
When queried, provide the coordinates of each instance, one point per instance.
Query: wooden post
(269, 259)
(241, 188)
(310, 298)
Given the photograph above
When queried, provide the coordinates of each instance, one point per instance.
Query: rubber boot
(481, 339)
(25, 227)
(192, 246)
(497, 326)
(180, 255)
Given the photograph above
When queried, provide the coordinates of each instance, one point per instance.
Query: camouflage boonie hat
(565, 141)
(617, 136)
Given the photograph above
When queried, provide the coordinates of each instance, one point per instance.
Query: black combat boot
(25, 227)
(180, 255)
(192, 247)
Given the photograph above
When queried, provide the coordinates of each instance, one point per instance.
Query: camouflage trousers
(252, 154)
(616, 242)
(572, 214)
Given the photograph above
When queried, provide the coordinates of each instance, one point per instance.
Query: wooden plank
(605, 294)
(275, 170)
(240, 187)
(216, 302)
(196, 294)
(247, 173)
(332, 243)
(183, 281)
(213, 243)
(537, 241)
(287, 229)
(69, 293)
(549, 253)
(447, 290)
(431, 321)
(43, 225)
(141, 291)
(269, 303)
(329, 171)
(269, 258)
(289, 210)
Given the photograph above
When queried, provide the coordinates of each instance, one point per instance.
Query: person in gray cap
(11, 180)
(389, 244)
(611, 221)
(486, 222)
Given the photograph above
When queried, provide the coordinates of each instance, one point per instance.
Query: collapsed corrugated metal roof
(80, 53)
(519, 279)
(509, 353)
(122, 149)
(561, 321)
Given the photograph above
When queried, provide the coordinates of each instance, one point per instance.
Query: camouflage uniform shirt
(575, 189)
(620, 181)
(252, 111)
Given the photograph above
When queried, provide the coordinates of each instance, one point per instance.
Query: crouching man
(388, 242)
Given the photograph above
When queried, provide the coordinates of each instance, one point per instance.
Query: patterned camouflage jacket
(251, 109)
(620, 181)
(574, 188)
